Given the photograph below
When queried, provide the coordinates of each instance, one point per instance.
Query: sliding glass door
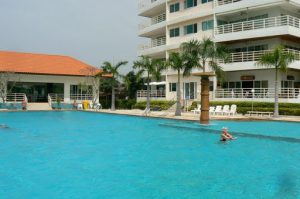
(190, 90)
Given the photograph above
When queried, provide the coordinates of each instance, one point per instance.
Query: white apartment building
(249, 28)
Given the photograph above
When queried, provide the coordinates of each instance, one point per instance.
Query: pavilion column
(67, 92)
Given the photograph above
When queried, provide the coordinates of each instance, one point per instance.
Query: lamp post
(253, 92)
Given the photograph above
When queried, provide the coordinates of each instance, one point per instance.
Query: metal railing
(16, 97)
(80, 97)
(255, 55)
(153, 94)
(55, 97)
(285, 20)
(259, 93)
(155, 20)
(154, 43)
(224, 2)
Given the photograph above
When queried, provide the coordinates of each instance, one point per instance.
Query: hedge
(243, 107)
(120, 104)
(155, 104)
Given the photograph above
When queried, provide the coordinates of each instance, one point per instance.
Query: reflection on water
(287, 185)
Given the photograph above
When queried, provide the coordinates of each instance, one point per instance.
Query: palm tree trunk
(113, 107)
(178, 104)
(148, 93)
(204, 117)
(276, 106)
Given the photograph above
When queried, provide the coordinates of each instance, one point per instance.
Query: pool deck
(195, 117)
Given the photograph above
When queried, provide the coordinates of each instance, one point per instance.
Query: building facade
(41, 78)
(249, 28)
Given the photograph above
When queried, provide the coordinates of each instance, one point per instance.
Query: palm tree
(204, 54)
(133, 82)
(111, 69)
(278, 59)
(178, 62)
(152, 68)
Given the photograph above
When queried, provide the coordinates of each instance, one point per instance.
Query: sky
(92, 31)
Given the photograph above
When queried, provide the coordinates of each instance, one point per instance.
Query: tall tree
(111, 69)
(152, 68)
(205, 53)
(178, 62)
(133, 82)
(278, 59)
(5, 79)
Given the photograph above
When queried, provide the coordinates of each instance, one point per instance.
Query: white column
(67, 92)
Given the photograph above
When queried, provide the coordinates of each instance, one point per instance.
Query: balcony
(269, 27)
(153, 26)
(259, 94)
(157, 47)
(149, 8)
(236, 6)
(254, 56)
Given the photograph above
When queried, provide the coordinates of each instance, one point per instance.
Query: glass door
(190, 90)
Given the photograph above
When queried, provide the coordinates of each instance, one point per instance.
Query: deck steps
(38, 107)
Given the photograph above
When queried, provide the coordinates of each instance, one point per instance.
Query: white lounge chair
(212, 110)
(233, 110)
(197, 110)
(218, 110)
(225, 110)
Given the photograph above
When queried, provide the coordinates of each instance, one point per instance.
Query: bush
(120, 104)
(243, 107)
(156, 104)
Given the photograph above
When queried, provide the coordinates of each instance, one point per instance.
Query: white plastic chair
(98, 106)
(91, 105)
(218, 110)
(226, 110)
(233, 110)
(197, 110)
(79, 106)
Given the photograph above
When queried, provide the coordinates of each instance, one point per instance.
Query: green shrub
(243, 107)
(155, 104)
(120, 104)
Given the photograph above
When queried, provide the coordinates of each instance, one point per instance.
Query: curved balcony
(156, 48)
(153, 26)
(273, 26)
(149, 8)
(231, 6)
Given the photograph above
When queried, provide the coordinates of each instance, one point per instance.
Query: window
(190, 29)
(174, 7)
(190, 3)
(174, 32)
(172, 87)
(207, 25)
(206, 1)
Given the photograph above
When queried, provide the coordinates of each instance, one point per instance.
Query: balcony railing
(286, 20)
(16, 97)
(224, 2)
(80, 97)
(155, 20)
(255, 55)
(259, 93)
(153, 94)
(154, 43)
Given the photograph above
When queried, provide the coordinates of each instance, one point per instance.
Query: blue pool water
(91, 155)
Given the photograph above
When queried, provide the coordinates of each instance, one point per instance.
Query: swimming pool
(91, 155)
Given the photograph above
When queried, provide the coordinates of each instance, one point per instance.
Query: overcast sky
(90, 30)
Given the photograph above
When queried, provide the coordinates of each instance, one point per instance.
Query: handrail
(260, 93)
(153, 94)
(154, 43)
(15, 97)
(255, 55)
(285, 20)
(224, 2)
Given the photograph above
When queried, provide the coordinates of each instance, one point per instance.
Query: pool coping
(170, 115)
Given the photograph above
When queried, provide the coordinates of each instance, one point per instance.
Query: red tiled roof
(44, 64)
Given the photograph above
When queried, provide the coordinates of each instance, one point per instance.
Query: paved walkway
(195, 117)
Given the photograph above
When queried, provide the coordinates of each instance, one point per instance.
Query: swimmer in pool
(225, 135)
